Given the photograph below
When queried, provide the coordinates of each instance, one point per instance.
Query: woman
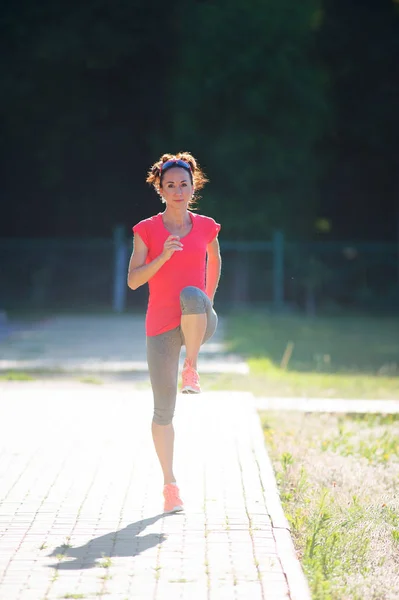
(177, 253)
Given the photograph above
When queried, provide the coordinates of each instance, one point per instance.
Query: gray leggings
(163, 352)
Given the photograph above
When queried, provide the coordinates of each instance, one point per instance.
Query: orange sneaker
(190, 380)
(173, 502)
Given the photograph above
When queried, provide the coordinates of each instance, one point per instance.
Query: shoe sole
(173, 510)
(190, 390)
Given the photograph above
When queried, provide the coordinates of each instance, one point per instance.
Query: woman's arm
(139, 273)
(213, 268)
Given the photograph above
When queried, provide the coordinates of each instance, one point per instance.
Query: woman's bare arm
(213, 268)
(139, 272)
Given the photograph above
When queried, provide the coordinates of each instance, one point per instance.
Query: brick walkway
(81, 511)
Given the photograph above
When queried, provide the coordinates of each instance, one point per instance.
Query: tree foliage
(360, 46)
(249, 98)
(291, 108)
(77, 97)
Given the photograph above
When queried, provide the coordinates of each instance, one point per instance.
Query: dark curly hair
(198, 177)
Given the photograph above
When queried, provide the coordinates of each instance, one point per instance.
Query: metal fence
(38, 274)
(331, 274)
(59, 274)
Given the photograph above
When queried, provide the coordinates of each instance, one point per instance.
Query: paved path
(81, 509)
(81, 488)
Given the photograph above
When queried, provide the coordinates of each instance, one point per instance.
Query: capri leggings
(163, 352)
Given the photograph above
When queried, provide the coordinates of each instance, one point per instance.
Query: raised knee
(189, 293)
(192, 300)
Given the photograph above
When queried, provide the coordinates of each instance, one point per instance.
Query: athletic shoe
(173, 502)
(190, 380)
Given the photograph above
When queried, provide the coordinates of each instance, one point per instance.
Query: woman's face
(177, 189)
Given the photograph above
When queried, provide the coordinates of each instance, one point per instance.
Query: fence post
(278, 269)
(240, 290)
(120, 268)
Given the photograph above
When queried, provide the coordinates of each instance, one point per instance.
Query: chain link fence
(46, 274)
(321, 276)
(76, 275)
(330, 275)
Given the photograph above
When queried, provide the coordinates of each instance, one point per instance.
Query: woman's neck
(178, 219)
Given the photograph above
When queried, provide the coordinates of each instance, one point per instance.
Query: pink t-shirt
(185, 267)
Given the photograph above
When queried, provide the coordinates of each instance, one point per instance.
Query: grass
(64, 375)
(91, 380)
(337, 477)
(366, 436)
(106, 562)
(348, 356)
(16, 376)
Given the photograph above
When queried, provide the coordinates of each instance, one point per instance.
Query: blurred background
(291, 109)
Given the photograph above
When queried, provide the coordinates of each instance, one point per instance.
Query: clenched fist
(171, 245)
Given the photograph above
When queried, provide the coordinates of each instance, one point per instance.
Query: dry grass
(339, 484)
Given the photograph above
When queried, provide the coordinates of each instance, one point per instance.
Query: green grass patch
(16, 376)
(91, 380)
(106, 562)
(340, 499)
(345, 344)
(334, 357)
(365, 437)
(306, 385)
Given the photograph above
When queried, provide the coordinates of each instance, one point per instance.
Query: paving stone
(82, 483)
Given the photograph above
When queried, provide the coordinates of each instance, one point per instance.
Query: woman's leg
(193, 329)
(163, 353)
(198, 321)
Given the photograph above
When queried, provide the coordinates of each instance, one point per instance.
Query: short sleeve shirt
(184, 268)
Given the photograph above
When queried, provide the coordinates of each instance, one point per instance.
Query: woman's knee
(163, 416)
(193, 301)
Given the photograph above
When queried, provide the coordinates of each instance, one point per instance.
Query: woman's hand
(171, 245)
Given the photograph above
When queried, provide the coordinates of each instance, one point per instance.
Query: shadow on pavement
(125, 542)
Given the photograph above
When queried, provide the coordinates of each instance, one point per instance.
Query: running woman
(177, 253)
